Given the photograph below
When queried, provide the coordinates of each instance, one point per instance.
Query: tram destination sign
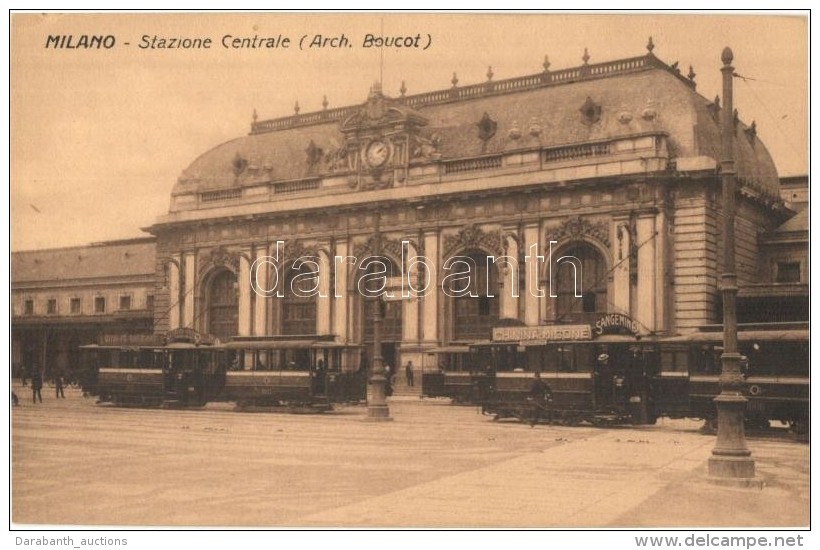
(557, 333)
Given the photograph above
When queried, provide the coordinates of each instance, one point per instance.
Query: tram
(456, 374)
(623, 377)
(601, 381)
(302, 373)
(185, 369)
(775, 365)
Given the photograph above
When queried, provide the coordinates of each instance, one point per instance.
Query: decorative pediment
(472, 237)
(577, 229)
(379, 112)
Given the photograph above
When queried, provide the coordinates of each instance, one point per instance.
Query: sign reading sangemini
(556, 333)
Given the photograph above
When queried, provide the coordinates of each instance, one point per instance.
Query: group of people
(35, 378)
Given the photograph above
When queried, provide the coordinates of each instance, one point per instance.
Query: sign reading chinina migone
(550, 333)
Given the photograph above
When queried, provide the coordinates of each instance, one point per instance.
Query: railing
(547, 78)
(295, 186)
(222, 195)
(472, 165)
(571, 152)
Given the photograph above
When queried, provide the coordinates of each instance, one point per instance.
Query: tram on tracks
(603, 378)
(185, 369)
(775, 366)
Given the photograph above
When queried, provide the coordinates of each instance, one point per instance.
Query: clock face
(377, 153)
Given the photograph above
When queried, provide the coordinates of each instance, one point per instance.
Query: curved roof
(653, 98)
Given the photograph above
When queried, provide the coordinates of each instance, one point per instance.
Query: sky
(99, 136)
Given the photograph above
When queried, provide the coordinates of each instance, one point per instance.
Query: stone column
(173, 292)
(621, 241)
(410, 306)
(646, 272)
(532, 265)
(323, 320)
(660, 272)
(339, 293)
(430, 303)
(260, 302)
(188, 298)
(244, 321)
(509, 303)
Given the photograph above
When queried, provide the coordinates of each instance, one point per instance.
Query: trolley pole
(731, 460)
(377, 409)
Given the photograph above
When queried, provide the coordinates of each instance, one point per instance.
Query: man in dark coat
(36, 384)
(540, 397)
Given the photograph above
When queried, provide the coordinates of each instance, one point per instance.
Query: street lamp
(731, 460)
(377, 409)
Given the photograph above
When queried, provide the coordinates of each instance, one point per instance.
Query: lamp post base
(731, 462)
(377, 413)
(377, 409)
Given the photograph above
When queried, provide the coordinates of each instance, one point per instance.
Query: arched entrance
(579, 269)
(223, 305)
(474, 314)
(299, 302)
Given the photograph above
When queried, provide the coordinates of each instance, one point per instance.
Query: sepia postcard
(409, 271)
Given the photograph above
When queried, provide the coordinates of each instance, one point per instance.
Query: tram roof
(289, 344)
(744, 336)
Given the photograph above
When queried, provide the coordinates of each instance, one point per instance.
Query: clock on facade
(377, 153)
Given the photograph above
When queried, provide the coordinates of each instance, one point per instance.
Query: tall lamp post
(731, 460)
(377, 409)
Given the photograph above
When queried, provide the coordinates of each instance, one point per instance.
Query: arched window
(477, 312)
(580, 274)
(299, 303)
(223, 305)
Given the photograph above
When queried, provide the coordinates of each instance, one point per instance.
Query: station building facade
(608, 171)
(63, 298)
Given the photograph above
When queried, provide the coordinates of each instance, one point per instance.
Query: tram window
(585, 358)
(674, 361)
(550, 359)
(565, 358)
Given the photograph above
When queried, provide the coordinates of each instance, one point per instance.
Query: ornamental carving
(296, 249)
(239, 164)
(472, 237)
(486, 128)
(590, 111)
(389, 247)
(219, 257)
(578, 228)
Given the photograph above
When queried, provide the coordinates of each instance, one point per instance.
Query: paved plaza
(435, 465)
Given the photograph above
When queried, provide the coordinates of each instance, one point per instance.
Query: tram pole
(377, 409)
(731, 460)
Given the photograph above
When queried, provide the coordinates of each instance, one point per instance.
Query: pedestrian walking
(36, 384)
(408, 374)
(24, 374)
(58, 384)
